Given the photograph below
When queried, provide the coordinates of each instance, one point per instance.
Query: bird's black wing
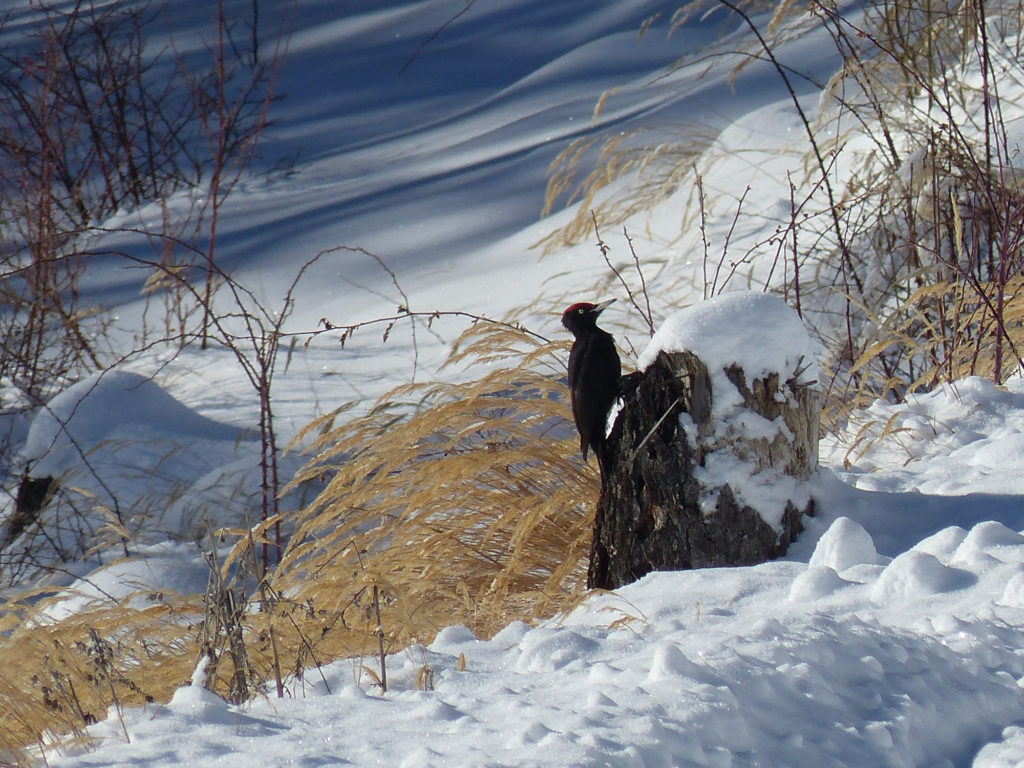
(577, 393)
(594, 371)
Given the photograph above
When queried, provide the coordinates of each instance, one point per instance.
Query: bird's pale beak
(599, 308)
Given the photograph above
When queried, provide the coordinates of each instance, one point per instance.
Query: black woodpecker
(594, 371)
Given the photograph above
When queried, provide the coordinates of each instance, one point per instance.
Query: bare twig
(605, 251)
(434, 36)
(379, 631)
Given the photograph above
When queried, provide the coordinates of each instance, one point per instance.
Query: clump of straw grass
(471, 507)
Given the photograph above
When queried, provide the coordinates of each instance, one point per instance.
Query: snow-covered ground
(891, 635)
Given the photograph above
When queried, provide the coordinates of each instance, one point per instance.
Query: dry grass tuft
(470, 507)
(629, 176)
(57, 677)
(944, 331)
(615, 175)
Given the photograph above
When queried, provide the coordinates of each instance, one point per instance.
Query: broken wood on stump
(668, 501)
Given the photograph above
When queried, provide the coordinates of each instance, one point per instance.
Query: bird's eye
(579, 311)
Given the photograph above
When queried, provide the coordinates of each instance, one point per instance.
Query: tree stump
(687, 487)
(33, 493)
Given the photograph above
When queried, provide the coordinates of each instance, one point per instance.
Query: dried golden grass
(56, 677)
(460, 503)
(654, 171)
(949, 332)
(473, 508)
(924, 308)
(944, 331)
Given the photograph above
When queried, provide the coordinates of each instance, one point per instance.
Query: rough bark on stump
(31, 498)
(650, 515)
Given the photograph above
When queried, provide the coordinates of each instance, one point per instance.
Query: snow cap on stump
(757, 331)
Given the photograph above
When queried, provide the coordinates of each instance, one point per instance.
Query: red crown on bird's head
(583, 307)
(579, 306)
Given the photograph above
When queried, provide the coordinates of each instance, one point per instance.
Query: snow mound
(125, 443)
(124, 452)
(944, 543)
(168, 567)
(670, 663)
(913, 574)
(111, 406)
(1006, 753)
(844, 545)
(815, 583)
(989, 540)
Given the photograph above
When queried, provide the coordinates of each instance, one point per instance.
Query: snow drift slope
(424, 131)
